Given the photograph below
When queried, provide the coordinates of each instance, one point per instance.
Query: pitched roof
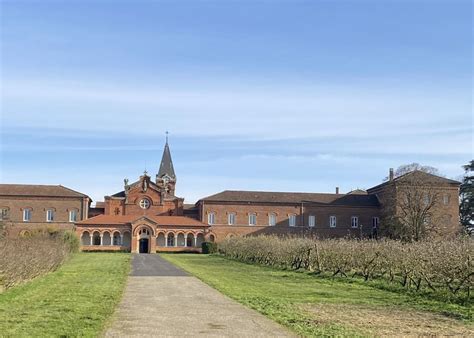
(428, 176)
(127, 219)
(38, 190)
(166, 166)
(292, 197)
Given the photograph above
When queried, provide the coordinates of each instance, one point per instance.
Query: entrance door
(143, 245)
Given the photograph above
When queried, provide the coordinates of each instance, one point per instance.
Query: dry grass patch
(388, 321)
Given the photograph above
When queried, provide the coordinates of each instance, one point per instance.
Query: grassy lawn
(311, 305)
(75, 300)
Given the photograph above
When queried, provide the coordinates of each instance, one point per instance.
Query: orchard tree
(466, 206)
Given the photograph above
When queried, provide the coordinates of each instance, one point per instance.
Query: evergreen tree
(466, 206)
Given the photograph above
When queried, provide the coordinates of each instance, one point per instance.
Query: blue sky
(258, 95)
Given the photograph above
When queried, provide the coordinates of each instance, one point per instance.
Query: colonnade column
(185, 240)
(101, 242)
(121, 239)
(166, 240)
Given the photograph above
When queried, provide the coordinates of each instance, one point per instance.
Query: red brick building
(146, 216)
(26, 209)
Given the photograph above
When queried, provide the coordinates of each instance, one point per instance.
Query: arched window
(170, 241)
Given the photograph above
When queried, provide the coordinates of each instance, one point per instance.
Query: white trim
(211, 218)
(332, 221)
(272, 219)
(252, 219)
(27, 215)
(231, 218)
(292, 220)
(312, 221)
(354, 222)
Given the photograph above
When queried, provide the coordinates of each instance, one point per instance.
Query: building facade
(26, 209)
(147, 216)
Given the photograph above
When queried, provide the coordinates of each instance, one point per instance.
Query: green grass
(291, 298)
(75, 300)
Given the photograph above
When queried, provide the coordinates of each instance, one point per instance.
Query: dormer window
(144, 203)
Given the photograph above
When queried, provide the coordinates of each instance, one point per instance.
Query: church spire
(166, 166)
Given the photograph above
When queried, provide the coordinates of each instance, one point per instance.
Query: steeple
(166, 166)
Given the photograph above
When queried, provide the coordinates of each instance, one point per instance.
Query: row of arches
(106, 238)
(163, 239)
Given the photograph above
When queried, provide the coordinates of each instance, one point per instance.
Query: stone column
(90, 239)
(175, 241)
(195, 240)
(185, 240)
(101, 242)
(121, 239)
(166, 240)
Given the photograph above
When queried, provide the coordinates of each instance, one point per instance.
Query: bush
(25, 258)
(208, 247)
(441, 266)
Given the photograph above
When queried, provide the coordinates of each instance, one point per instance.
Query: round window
(144, 203)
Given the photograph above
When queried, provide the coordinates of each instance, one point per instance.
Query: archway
(144, 240)
(116, 238)
(106, 239)
(190, 240)
(127, 239)
(86, 238)
(143, 245)
(199, 240)
(160, 240)
(96, 239)
(180, 239)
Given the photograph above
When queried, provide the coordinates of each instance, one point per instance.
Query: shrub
(441, 266)
(208, 247)
(25, 258)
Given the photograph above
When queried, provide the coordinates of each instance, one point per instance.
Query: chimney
(390, 174)
(337, 190)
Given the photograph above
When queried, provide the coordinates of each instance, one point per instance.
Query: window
(312, 221)
(272, 219)
(72, 215)
(26, 215)
(252, 219)
(375, 222)
(446, 199)
(426, 199)
(332, 221)
(49, 215)
(292, 220)
(354, 222)
(144, 203)
(211, 218)
(231, 218)
(3, 213)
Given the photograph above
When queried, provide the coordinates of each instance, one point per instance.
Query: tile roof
(38, 190)
(292, 197)
(421, 175)
(127, 219)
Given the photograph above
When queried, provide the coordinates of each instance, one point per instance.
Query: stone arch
(180, 239)
(86, 238)
(116, 238)
(160, 239)
(199, 239)
(230, 235)
(127, 239)
(190, 239)
(171, 239)
(141, 227)
(96, 240)
(106, 238)
(212, 238)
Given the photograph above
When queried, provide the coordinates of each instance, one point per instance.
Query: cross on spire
(167, 133)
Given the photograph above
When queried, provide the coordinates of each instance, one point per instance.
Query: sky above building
(257, 95)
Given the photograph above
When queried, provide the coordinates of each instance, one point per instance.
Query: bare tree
(416, 201)
(407, 168)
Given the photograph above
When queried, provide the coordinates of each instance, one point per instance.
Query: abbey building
(147, 216)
